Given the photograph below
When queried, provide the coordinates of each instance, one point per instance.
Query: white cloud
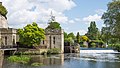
(21, 12)
(90, 18)
(81, 32)
(71, 21)
(100, 11)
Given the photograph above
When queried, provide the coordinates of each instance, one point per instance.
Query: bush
(115, 46)
(53, 51)
(82, 45)
(21, 59)
(93, 45)
(37, 64)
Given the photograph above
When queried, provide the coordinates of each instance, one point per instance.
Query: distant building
(54, 38)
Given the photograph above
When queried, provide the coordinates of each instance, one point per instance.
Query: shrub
(82, 45)
(115, 46)
(53, 51)
(21, 59)
(37, 64)
(93, 45)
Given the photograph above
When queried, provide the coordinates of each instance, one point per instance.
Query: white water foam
(98, 51)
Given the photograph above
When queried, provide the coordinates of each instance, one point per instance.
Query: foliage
(78, 37)
(54, 25)
(82, 45)
(114, 46)
(37, 64)
(112, 19)
(31, 35)
(65, 35)
(70, 40)
(85, 38)
(53, 51)
(3, 10)
(71, 35)
(93, 32)
(21, 59)
(93, 45)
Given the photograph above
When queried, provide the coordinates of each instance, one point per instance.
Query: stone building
(7, 35)
(54, 38)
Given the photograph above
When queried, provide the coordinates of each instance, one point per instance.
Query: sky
(73, 15)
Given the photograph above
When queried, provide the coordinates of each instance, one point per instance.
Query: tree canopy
(31, 34)
(78, 37)
(112, 18)
(53, 25)
(3, 11)
(92, 31)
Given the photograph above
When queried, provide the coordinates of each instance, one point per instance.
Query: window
(53, 40)
(5, 40)
(43, 42)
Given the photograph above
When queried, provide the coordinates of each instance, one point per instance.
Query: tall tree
(92, 31)
(112, 18)
(31, 34)
(78, 37)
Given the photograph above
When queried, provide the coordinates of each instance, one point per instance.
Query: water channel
(70, 60)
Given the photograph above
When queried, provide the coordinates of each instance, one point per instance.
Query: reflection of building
(59, 60)
(1, 59)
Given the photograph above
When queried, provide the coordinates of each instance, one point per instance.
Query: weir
(97, 50)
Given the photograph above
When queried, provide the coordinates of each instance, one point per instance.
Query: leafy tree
(54, 25)
(31, 34)
(78, 37)
(112, 18)
(65, 35)
(3, 10)
(71, 35)
(85, 38)
(92, 31)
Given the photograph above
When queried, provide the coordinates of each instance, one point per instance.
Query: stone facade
(54, 38)
(8, 36)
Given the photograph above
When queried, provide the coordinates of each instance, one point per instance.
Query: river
(79, 60)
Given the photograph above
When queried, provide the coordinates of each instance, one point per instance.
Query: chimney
(0, 3)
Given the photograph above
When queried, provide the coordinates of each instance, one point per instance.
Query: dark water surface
(70, 61)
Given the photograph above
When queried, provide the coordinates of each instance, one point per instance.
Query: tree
(31, 35)
(71, 35)
(78, 37)
(85, 38)
(3, 11)
(92, 31)
(112, 18)
(54, 25)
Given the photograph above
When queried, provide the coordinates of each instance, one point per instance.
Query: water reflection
(1, 60)
(71, 61)
(48, 60)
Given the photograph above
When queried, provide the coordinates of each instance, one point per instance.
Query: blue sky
(83, 9)
(73, 15)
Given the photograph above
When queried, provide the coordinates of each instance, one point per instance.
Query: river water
(75, 60)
